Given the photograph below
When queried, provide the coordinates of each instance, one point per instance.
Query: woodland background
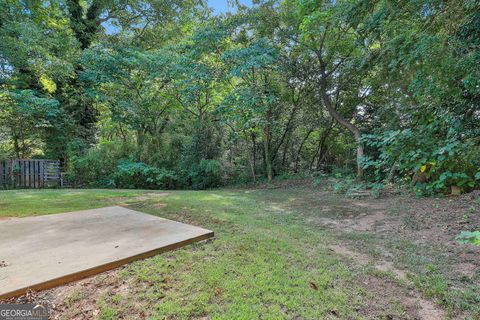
(166, 94)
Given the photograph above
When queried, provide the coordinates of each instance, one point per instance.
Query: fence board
(37, 173)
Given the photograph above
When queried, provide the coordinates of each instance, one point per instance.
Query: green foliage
(437, 147)
(28, 107)
(106, 312)
(376, 189)
(258, 55)
(472, 237)
(345, 182)
(95, 168)
(318, 178)
(207, 174)
(348, 186)
(26, 117)
(198, 165)
(176, 96)
(138, 175)
(342, 186)
(108, 166)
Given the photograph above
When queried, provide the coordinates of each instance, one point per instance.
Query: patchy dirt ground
(401, 250)
(412, 239)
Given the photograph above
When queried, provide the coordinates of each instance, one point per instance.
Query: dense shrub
(438, 149)
(96, 167)
(116, 165)
(207, 174)
(111, 165)
(130, 175)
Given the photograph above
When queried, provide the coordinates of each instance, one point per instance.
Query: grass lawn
(275, 255)
(23, 203)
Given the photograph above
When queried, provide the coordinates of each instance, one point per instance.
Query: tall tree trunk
(344, 122)
(16, 146)
(285, 152)
(321, 147)
(266, 146)
(251, 159)
(321, 157)
(316, 154)
(286, 132)
(322, 150)
(297, 158)
(254, 141)
(360, 155)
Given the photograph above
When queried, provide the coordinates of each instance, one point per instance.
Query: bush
(207, 174)
(108, 167)
(140, 175)
(438, 149)
(96, 167)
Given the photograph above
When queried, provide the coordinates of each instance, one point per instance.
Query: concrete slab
(45, 251)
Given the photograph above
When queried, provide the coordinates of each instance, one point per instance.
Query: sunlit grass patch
(15, 203)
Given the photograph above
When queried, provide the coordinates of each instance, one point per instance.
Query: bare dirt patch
(125, 201)
(149, 195)
(361, 222)
(159, 205)
(387, 293)
(367, 221)
(387, 266)
(344, 251)
(466, 269)
(396, 302)
(80, 300)
(417, 235)
(422, 221)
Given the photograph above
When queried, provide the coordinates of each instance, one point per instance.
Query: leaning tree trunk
(347, 124)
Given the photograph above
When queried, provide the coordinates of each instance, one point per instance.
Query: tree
(254, 96)
(320, 30)
(165, 89)
(25, 116)
(57, 33)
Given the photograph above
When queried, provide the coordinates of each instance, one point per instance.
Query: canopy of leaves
(162, 94)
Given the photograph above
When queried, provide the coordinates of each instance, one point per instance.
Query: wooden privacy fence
(37, 173)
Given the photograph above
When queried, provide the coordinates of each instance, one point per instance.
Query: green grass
(22, 203)
(261, 264)
(268, 260)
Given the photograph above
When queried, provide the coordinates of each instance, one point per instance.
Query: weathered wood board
(32, 173)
